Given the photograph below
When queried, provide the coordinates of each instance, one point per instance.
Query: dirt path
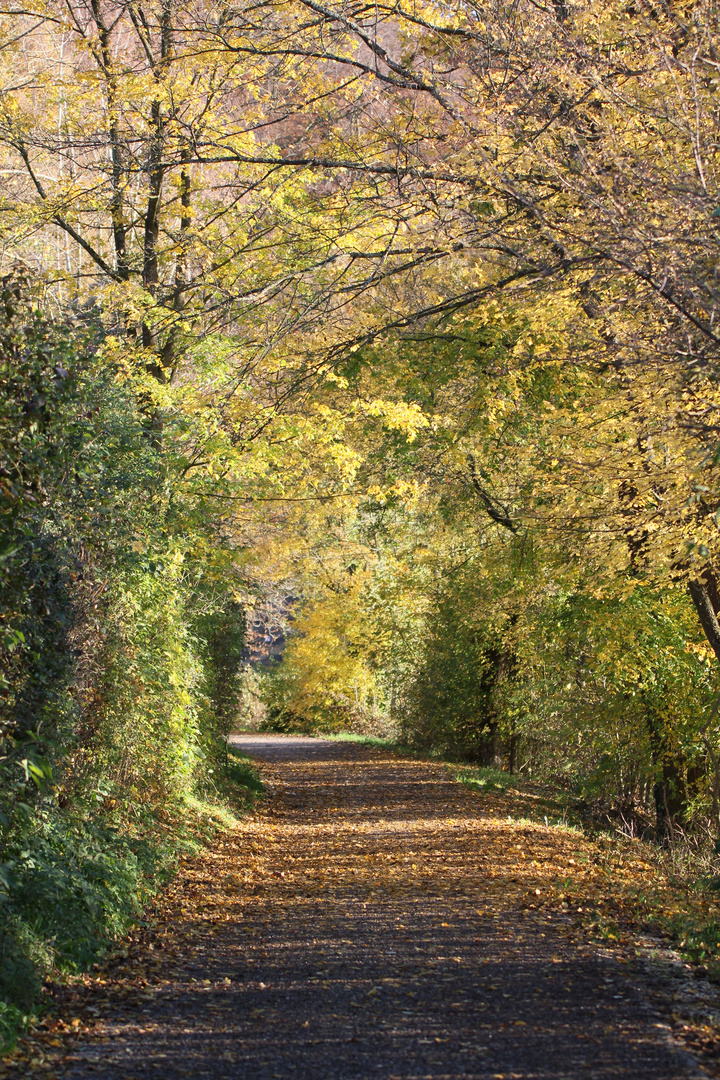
(370, 921)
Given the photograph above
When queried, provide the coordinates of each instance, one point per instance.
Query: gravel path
(368, 921)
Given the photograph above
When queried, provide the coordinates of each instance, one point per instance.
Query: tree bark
(669, 788)
(117, 208)
(705, 597)
(156, 176)
(512, 750)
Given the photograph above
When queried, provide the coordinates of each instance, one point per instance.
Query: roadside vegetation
(119, 652)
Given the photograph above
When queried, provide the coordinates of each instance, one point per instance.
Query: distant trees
(506, 595)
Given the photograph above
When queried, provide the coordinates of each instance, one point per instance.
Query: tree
(330, 225)
(293, 159)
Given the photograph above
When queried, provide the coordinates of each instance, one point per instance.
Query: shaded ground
(371, 921)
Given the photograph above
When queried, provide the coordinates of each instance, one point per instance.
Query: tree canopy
(386, 330)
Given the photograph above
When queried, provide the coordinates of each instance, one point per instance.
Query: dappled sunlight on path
(369, 920)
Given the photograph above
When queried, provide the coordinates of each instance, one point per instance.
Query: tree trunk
(706, 598)
(117, 207)
(156, 176)
(669, 788)
(512, 754)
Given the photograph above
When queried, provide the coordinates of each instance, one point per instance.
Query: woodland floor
(371, 918)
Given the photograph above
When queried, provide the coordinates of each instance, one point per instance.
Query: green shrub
(119, 643)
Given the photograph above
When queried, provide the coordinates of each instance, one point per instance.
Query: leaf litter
(375, 917)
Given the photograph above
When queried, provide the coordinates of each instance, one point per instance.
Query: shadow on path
(369, 921)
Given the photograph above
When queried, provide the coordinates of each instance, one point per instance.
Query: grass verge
(366, 740)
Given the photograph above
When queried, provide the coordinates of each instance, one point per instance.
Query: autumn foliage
(398, 321)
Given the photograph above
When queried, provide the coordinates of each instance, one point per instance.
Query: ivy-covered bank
(119, 640)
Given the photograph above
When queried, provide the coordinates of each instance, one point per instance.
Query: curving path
(369, 921)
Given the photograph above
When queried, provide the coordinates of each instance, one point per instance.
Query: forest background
(389, 327)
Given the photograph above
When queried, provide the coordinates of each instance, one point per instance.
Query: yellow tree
(305, 177)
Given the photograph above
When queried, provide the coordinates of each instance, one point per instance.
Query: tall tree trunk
(117, 208)
(706, 598)
(512, 750)
(156, 174)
